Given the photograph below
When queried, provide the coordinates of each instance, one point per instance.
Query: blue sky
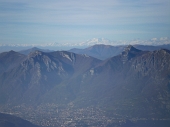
(42, 21)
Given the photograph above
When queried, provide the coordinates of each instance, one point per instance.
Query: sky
(70, 21)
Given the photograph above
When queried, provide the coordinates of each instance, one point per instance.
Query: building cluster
(51, 115)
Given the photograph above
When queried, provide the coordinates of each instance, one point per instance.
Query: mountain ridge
(27, 51)
(10, 59)
(133, 83)
(102, 51)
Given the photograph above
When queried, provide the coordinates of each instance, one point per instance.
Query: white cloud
(154, 39)
(164, 39)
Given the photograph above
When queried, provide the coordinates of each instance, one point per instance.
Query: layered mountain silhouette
(100, 51)
(103, 52)
(134, 83)
(27, 51)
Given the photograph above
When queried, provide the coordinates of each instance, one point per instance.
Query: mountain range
(134, 83)
(157, 42)
(100, 51)
(27, 51)
(103, 52)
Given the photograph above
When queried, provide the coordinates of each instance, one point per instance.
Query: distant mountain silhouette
(27, 51)
(106, 51)
(152, 48)
(100, 51)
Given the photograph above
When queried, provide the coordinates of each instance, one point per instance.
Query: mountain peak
(129, 52)
(130, 48)
(165, 50)
(10, 52)
(35, 53)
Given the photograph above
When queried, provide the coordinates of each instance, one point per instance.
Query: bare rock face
(129, 52)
